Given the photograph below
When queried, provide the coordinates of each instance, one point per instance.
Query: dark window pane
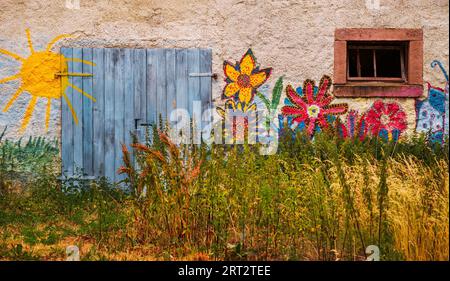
(352, 68)
(388, 63)
(366, 60)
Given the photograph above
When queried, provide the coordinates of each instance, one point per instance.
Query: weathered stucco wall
(294, 37)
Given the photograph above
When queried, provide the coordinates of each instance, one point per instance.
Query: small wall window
(371, 62)
(376, 61)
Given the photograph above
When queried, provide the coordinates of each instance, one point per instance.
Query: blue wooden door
(131, 87)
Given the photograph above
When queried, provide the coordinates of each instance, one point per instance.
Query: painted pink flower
(312, 106)
(386, 118)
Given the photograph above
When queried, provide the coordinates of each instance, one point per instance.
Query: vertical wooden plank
(193, 62)
(99, 113)
(151, 86)
(205, 82)
(171, 95)
(77, 96)
(66, 122)
(119, 87)
(88, 136)
(181, 83)
(193, 56)
(128, 102)
(111, 56)
(161, 84)
(128, 96)
(139, 76)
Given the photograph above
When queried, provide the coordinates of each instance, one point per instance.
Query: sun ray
(35, 71)
(13, 99)
(80, 60)
(30, 43)
(75, 118)
(10, 78)
(83, 92)
(28, 113)
(56, 39)
(47, 113)
(12, 55)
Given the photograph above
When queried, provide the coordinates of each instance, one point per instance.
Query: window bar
(358, 63)
(374, 62)
(348, 65)
(402, 65)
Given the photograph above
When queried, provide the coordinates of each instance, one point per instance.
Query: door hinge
(59, 74)
(205, 74)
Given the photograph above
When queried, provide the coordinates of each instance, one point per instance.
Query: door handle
(136, 121)
(136, 124)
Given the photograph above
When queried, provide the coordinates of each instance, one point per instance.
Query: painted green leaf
(264, 99)
(276, 93)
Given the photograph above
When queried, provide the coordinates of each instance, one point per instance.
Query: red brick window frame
(410, 87)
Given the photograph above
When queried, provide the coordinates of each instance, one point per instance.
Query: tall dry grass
(328, 201)
(419, 209)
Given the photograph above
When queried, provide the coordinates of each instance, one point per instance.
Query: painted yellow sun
(44, 74)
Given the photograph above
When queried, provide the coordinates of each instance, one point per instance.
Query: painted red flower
(386, 118)
(311, 108)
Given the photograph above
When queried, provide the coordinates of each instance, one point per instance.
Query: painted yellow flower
(244, 78)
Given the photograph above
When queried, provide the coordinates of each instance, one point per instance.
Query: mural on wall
(272, 104)
(43, 74)
(386, 120)
(242, 82)
(244, 78)
(310, 107)
(354, 127)
(432, 113)
(232, 106)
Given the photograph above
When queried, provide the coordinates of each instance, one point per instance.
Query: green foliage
(32, 156)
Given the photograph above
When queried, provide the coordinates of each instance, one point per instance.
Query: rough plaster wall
(294, 37)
